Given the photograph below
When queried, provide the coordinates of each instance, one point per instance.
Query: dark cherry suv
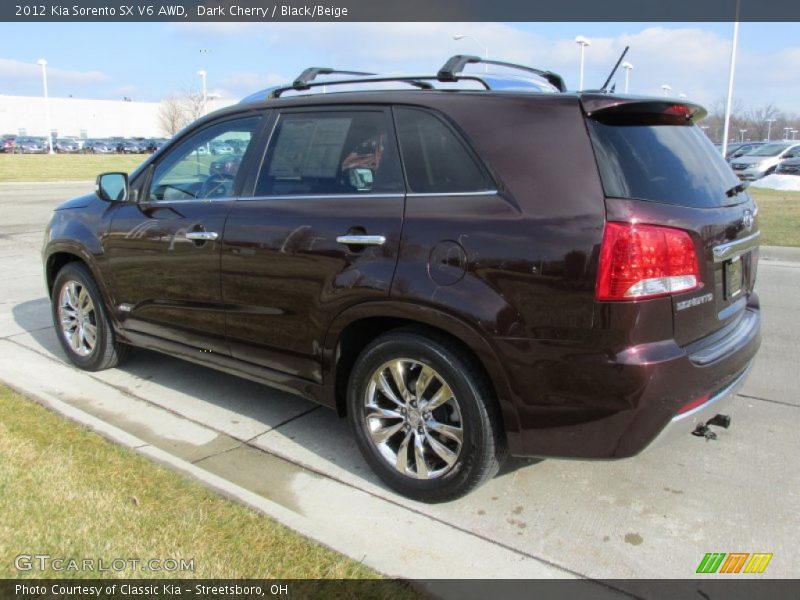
(463, 273)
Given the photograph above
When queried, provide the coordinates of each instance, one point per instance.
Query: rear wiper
(737, 189)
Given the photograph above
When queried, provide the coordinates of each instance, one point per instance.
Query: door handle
(361, 240)
(202, 236)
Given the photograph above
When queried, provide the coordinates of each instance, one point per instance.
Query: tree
(171, 116)
(179, 109)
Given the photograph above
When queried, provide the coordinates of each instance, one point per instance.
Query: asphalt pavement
(653, 516)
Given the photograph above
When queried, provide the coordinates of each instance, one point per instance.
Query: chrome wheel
(413, 419)
(77, 318)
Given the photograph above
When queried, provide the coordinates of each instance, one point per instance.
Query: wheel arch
(353, 329)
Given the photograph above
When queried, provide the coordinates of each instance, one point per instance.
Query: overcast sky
(149, 61)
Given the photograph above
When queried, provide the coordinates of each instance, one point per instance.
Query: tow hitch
(701, 430)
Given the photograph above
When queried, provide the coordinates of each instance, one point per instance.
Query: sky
(149, 61)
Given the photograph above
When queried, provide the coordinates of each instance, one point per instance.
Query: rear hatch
(659, 168)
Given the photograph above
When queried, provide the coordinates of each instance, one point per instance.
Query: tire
(472, 408)
(75, 333)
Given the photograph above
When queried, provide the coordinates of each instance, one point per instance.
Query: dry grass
(64, 167)
(66, 492)
(778, 216)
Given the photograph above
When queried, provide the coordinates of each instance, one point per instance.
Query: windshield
(673, 164)
(768, 150)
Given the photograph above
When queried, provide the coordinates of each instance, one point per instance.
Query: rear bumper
(578, 401)
(683, 424)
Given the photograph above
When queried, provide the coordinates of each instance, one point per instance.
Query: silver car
(763, 160)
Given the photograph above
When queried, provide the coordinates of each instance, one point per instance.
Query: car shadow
(286, 425)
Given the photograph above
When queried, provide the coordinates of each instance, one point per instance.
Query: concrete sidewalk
(652, 516)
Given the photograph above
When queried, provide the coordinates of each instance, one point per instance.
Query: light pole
(743, 131)
(202, 74)
(582, 42)
(43, 63)
(794, 132)
(666, 89)
(769, 126)
(461, 36)
(628, 68)
(786, 133)
(731, 71)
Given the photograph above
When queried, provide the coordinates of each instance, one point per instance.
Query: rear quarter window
(672, 164)
(435, 159)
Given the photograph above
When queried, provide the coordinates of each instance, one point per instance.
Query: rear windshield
(673, 164)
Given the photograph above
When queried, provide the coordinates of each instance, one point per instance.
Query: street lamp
(682, 96)
(743, 131)
(793, 132)
(666, 89)
(628, 68)
(582, 42)
(461, 36)
(769, 126)
(43, 63)
(203, 83)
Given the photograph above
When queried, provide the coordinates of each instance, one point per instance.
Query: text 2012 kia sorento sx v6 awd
(463, 273)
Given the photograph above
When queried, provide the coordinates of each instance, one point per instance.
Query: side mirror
(112, 187)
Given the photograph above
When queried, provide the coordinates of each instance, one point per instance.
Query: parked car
(8, 144)
(461, 274)
(790, 166)
(741, 149)
(67, 146)
(30, 145)
(104, 147)
(221, 148)
(130, 147)
(763, 161)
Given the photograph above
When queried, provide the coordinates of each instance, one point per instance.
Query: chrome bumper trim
(685, 423)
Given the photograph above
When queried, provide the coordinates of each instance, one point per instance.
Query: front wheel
(424, 416)
(81, 321)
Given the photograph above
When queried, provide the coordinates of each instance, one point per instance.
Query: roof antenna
(614, 70)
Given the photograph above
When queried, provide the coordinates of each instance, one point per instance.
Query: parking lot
(653, 516)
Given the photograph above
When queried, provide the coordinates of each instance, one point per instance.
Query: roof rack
(300, 84)
(450, 72)
(310, 74)
(455, 64)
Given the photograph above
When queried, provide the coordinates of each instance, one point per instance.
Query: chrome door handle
(361, 240)
(202, 236)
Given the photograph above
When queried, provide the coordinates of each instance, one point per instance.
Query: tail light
(645, 261)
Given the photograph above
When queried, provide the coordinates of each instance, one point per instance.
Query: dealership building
(78, 117)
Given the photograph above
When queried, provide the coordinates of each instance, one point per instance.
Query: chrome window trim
(435, 194)
(187, 201)
(725, 251)
(319, 196)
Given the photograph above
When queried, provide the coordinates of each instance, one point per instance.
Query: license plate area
(733, 277)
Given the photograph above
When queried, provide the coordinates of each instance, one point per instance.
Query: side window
(205, 164)
(436, 161)
(337, 152)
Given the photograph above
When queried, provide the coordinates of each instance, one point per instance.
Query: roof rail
(420, 81)
(455, 64)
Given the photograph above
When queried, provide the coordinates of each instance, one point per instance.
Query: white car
(763, 160)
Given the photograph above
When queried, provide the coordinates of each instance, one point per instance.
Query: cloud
(690, 59)
(15, 71)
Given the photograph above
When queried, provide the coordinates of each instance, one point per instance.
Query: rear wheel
(424, 416)
(81, 321)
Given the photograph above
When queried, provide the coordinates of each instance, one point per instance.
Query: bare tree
(193, 104)
(172, 116)
(757, 121)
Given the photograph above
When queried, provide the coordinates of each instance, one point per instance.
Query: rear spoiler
(641, 110)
